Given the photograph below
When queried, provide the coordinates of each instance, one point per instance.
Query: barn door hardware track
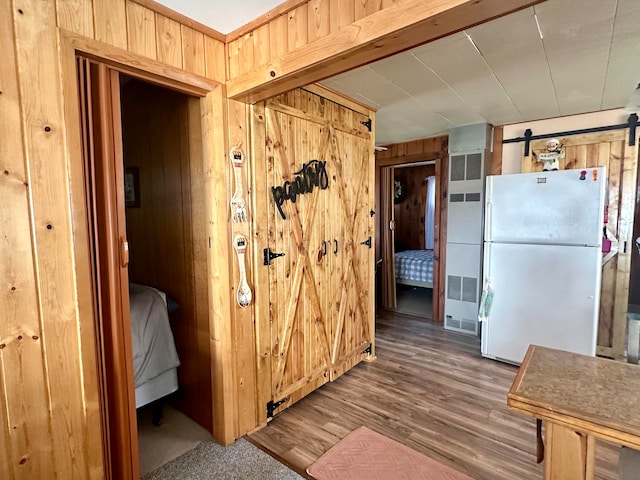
(632, 124)
(272, 406)
(269, 255)
(367, 242)
(366, 123)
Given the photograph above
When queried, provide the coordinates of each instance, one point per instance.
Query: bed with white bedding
(414, 267)
(155, 359)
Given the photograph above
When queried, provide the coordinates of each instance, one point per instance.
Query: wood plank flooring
(429, 389)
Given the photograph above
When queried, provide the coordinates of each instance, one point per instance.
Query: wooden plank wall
(302, 42)
(166, 233)
(244, 387)
(50, 416)
(410, 214)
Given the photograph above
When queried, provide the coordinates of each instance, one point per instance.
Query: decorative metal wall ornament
(243, 295)
(238, 206)
(311, 175)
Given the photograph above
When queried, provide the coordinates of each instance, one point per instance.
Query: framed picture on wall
(131, 187)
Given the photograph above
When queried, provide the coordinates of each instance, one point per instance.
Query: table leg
(569, 455)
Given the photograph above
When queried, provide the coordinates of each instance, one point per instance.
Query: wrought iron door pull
(335, 250)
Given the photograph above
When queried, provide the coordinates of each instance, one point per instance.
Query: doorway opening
(144, 186)
(412, 222)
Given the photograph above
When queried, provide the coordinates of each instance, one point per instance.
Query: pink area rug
(367, 455)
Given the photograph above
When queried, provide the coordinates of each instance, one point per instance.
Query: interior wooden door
(351, 230)
(319, 194)
(102, 141)
(611, 150)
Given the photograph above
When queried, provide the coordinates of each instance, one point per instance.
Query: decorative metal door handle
(243, 295)
(324, 248)
(335, 249)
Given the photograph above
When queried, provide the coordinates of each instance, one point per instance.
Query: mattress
(414, 265)
(154, 350)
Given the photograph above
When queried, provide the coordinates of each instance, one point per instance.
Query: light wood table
(578, 398)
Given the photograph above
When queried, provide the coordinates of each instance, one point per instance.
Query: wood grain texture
(410, 214)
(495, 166)
(276, 12)
(76, 16)
(297, 32)
(430, 390)
(219, 257)
(140, 67)
(167, 12)
(393, 29)
(244, 332)
(51, 420)
(261, 274)
(141, 25)
(215, 63)
(193, 56)
(58, 334)
(319, 307)
(110, 20)
(169, 41)
(166, 233)
(318, 22)
(25, 436)
(74, 87)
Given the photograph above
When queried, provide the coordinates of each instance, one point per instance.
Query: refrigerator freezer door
(562, 207)
(546, 295)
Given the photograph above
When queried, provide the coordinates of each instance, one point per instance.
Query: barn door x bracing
(319, 229)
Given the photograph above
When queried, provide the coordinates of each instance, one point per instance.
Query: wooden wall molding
(139, 66)
(400, 26)
(183, 19)
(265, 18)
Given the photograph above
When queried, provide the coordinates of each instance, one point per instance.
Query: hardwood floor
(429, 389)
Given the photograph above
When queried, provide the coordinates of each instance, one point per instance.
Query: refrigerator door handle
(487, 223)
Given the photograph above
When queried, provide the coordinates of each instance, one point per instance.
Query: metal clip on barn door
(367, 242)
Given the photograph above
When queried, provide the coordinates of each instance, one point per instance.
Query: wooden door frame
(441, 160)
(212, 102)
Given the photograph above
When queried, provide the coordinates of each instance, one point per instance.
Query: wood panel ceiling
(561, 57)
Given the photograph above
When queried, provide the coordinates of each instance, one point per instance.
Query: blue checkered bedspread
(415, 265)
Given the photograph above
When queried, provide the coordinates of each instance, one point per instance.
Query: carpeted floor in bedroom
(180, 448)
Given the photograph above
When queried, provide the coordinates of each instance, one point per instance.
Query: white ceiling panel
(378, 89)
(512, 48)
(588, 60)
(623, 74)
(577, 42)
(462, 67)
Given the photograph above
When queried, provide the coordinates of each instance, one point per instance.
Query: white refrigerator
(543, 257)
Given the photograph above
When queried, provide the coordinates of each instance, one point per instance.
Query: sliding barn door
(318, 245)
(611, 150)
